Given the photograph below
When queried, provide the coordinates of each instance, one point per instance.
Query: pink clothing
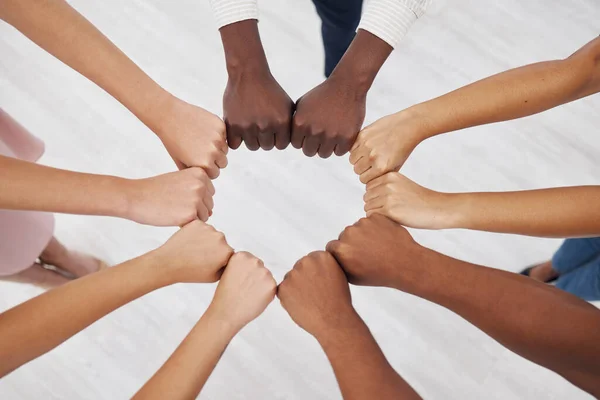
(23, 234)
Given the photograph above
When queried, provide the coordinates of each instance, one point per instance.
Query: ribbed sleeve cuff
(230, 11)
(390, 20)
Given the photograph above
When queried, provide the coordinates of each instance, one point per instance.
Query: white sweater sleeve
(390, 20)
(229, 11)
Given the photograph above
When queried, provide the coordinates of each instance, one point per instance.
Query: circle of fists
(315, 292)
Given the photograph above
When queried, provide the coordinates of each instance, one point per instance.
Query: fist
(196, 253)
(172, 199)
(376, 251)
(257, 111)
(328, 119)
(316, 294)
(245, 290)
(397, 197)
(194, 137)
(385, 145)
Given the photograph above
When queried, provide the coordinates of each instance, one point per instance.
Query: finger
(209, 203)
(250, 137)
(221, 145)
(283, 136)
(356, 155)
(311, 145)
(297, 138)
(266, 139)
(212, 171)
(326, 148)
(221, 160)
(357, 143)
(342, 148)
(376, 203)
(210, 188)
(234, 135)
(374, 193)
(383, 179)
(362, 165)
(370, 174)
(202, 212)
(333, 247)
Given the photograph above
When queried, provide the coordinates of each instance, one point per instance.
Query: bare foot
(74, 263)
(543, 272)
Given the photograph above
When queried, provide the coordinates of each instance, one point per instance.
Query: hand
(245, 290)
(385, 145)
(409, 204)
(172, 199)
(193, 137)
(328, 118)
(376, 251)
(196, 253)
(258, 111)
(316, 294)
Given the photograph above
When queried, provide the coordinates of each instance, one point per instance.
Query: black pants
(339, 18)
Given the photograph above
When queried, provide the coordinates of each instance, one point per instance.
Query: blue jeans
(578, 262)
(339, 20)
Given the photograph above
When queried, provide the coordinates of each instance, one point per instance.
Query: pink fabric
(23, 234)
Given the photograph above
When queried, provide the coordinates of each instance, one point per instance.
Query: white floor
(281, 205)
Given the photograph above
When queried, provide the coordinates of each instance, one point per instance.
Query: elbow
(587, 62)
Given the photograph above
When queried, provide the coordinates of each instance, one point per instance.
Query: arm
(557, 212)
(245, 290)
(60, 30)
(172, 199)
(256, 109)
(316, 295)
(545, 325)
(195, 254)
(329, 117)
(385, 145)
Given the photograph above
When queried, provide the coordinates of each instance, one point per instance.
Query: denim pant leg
(339, 19)
(584, 282)
(574, 253)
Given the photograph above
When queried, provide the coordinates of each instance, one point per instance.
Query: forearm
(187, 370)
(370, 378)
(35, 327)
(361, 62)
(557, 212)
(63, 191)
(60, 30)
(545, 325)
(512, 94)
(244, 53)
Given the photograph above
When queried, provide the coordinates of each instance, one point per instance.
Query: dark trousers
(339, 19)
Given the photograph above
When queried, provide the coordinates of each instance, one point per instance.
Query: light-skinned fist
(196, 253)
(245, 290)
(397, 197)
(172, 199)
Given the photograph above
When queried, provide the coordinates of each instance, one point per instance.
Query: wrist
(223, 323)
(361, 62)
(342, 331)
(153, 266)
(244, 53)
(459, 206)
(117, 202)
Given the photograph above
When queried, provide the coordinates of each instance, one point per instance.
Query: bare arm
(543, 324)
(35, 327)
(172, 199)
(316, 295)
(557, 212)
(385, 145)
(244, 292)
(192, 136)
